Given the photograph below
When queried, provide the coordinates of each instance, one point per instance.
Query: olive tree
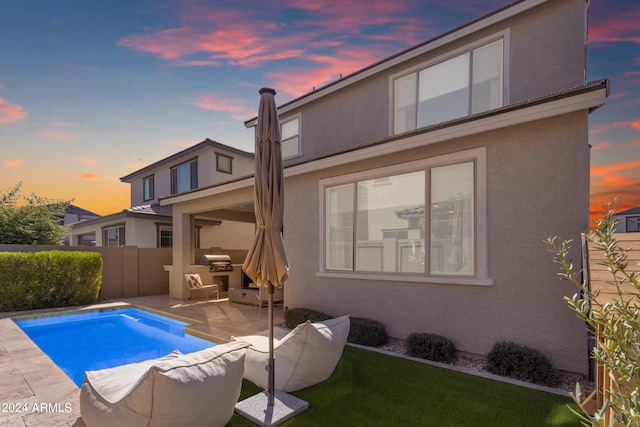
(31, 220)
(616, 323)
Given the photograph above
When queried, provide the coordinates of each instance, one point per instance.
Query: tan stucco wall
(228, 235)
(537, 186)
(544, 53)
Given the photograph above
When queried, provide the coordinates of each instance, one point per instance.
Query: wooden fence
(601, 278)
(128, 271)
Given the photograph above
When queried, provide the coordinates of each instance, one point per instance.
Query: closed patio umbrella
(266, 263)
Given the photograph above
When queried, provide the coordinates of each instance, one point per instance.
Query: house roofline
(185, 152)
(450, 36)
(630, 211)
(587, 97)
(122, 215)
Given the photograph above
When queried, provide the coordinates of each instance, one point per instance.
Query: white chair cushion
(305, 356)
(197, 389)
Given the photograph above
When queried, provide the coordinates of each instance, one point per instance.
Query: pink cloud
(139, 164)
(618, 25)
(634, 124)
(57, 135)
(90, 176)
(616, 177)
(215, 102)
(85, 161)
(249, 37)
(13, 163)
(180, 143)
(602, 145)
(10, 113)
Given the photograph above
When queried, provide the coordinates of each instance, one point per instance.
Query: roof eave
(457, 33)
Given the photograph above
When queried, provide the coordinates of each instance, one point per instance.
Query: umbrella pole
(271, 385)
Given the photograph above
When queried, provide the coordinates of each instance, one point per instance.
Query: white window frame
(504, 35)
(121, 228)
(219, 157)
(288, 119)
(480, 277)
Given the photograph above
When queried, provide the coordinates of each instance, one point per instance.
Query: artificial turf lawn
(373, 389)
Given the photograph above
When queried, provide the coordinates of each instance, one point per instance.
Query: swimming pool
(104, 339)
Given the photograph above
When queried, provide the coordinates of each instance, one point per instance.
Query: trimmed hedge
(48, 279)
(367, 332)
(430, 347)
(295, 316)
(362, 331)
(522, 363)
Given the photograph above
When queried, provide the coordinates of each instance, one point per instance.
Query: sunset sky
(91, 90)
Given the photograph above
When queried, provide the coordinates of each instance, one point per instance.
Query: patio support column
(183, 253)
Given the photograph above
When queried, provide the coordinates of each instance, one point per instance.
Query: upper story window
(290, 134)
(224, 163)
(468, 83)
(184, 177)
(633, 224)
(148, 188)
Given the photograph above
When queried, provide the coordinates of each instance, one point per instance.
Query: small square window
(224, 163)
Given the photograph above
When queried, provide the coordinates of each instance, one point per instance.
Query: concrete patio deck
(35, 392)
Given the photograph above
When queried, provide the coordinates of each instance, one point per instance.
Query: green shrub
(431, 347)
(295, 316)
(47, 279)
(367, 332)
(522, 363)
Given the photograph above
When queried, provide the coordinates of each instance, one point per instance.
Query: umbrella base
(257, 410)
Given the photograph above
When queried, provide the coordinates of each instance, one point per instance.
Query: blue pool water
(98, 340)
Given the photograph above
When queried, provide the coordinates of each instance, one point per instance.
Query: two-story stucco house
(146, 224)
(419, 190)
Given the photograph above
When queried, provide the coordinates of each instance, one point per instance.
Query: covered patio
(231, 202)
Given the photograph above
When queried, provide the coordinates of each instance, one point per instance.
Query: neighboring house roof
(632, 211)
(491, 18)
(145, 210)
(75, 210)
(185, 152)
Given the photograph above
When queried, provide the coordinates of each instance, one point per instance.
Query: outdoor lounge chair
(195, 286)
(304, 356)
(196, 389)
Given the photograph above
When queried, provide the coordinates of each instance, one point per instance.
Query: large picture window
(184, 177)
(469, 83)
(420, 222)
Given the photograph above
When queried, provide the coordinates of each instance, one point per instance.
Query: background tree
(31, 220)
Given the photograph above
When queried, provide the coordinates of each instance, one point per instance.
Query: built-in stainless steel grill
(217, 262)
